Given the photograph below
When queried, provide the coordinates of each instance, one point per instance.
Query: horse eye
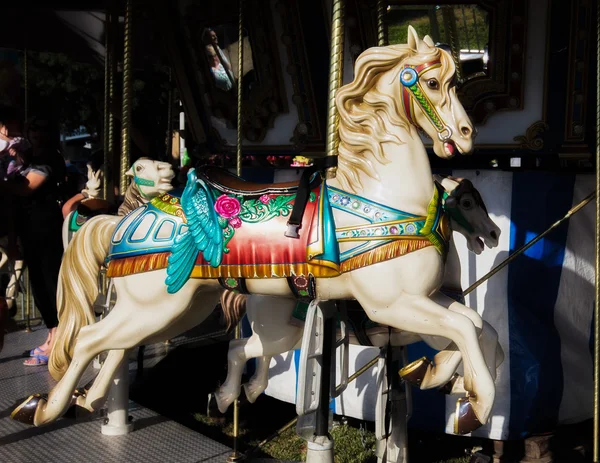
(139, 168)
(433, 84)
(466, 204)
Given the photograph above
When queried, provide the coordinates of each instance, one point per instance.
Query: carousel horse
(374, 233)
(15, 270)
(150, 179)
(279, 328)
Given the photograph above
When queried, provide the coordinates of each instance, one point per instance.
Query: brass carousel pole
(107, 101)
(336, 75)
(381, 35)
(597, 305)
(127, 97)
(28, 305)
(236, 455)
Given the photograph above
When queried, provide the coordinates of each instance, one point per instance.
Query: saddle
(227, 182)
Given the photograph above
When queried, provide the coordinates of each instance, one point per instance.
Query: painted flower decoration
(264, 199)
(235, 222)
(345, 201)
(227, 207)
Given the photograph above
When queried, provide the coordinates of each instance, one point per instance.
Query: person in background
(221, 77)
(36, 194)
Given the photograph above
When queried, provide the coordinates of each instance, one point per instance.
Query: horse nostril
(494, 235)
(466, 131)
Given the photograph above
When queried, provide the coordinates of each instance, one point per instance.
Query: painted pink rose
(235, 222)
(264, 199)
(227, 206)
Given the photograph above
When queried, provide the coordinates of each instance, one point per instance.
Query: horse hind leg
(260, 380)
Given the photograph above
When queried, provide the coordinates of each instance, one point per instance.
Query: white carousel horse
(379, 238)
(15, 270)
(274, 331)
(150, 179)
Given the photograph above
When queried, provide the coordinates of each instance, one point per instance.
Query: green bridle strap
(143, 182)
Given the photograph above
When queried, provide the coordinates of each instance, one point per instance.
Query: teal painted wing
(204, 234)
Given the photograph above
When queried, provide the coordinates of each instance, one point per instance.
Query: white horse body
(274, 332)
(382, 159)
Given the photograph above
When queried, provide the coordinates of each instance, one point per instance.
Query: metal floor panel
(155, 438)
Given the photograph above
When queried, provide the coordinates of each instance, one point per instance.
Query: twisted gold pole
(236, 455)
(597, 304)
(336, 75)
(381, 36)
(107, 69)
(111, 98)
(452, 35)
(239, 87)
(127, 97)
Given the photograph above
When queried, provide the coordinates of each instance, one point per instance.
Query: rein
(412, 92)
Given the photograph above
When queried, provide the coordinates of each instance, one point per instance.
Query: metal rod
(239, 87)
(113, 32)
(322, 414)
(526, 246)
(127, 98)
(284, 428)
(449, 19)
(107, 102)
(597, 302)
(381, 35)
(27, 302)
(336, 74)
(236, 455)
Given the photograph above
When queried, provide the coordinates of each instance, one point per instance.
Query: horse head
(410, 87)
(468, 214)
(152, 178)
(93, 185)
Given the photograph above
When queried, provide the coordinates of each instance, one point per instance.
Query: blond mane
(368, 111)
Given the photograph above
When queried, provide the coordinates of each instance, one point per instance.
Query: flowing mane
(368, 110)
(132, 200)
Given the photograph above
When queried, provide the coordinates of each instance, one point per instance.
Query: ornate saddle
(225, 181)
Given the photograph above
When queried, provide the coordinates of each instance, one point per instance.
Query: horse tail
(78, 287)
(3, 257)
(234, 307)
(65, 229)
(16, 269)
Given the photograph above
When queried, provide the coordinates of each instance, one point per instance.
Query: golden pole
(236, 455)
(239, 88)
(336, 75)
(107, 101)
(127, 97)
(381, 39)
(526, 246)
(284, 428)
(597, 304)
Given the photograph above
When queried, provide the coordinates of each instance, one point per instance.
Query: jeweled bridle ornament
(412, 91)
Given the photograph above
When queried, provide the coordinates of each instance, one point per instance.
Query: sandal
(36, 351)
(39, 360)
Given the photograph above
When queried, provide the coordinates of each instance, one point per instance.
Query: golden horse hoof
(25, 413)
(465, 420)
(414, 372)
(76, 411)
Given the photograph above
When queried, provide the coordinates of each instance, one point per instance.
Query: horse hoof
(447, 388)
(212, 407)
(25, 413)
(465, 420)
(414, 372)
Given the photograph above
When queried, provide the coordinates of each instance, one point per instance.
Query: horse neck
(405, 182)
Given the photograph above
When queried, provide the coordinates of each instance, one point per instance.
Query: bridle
(413, 92)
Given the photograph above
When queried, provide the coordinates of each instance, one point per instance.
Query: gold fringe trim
(137, 264)
(147, 263)
(382, 253)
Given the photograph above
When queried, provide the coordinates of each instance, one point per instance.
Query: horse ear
(413, 38)
(429, 41)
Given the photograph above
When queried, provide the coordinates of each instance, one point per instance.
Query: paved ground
(155, 438)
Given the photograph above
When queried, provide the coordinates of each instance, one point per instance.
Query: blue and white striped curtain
(541, 305)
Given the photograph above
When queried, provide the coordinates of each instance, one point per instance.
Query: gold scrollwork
(531, 140)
